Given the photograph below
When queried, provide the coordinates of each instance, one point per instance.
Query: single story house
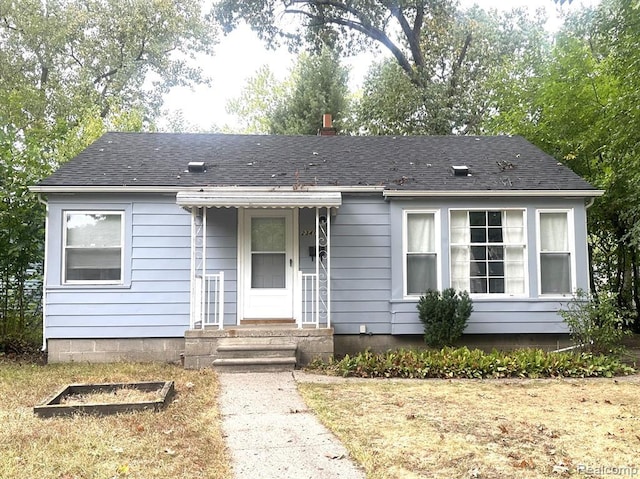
(164, 246)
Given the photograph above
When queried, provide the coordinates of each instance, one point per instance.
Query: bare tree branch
(412, 35)
(365, 28)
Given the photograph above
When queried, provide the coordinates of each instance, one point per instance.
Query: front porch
(260, 278)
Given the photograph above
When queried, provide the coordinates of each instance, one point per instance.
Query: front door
(267, 264)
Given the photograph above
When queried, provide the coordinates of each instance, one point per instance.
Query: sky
(240, 54)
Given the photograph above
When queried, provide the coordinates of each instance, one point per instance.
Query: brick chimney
(327, 126)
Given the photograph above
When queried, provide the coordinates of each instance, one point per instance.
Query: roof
(413, 163)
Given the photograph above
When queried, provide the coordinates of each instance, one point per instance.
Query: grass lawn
(183, 441)
(485, 429)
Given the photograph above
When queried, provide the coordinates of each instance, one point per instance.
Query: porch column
(198, 266)
(323, 266)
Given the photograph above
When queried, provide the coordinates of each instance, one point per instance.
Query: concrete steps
(256, 347)
(254, 356)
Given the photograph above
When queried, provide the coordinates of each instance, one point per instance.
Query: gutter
(590, 202)
(491, 193)
(176, 189)
(44, 272)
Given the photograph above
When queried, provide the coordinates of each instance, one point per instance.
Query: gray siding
(154, 299)
(222, 255)
(366, 261)
(361, 265)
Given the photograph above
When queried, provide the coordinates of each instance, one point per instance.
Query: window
(488, 251)
(93, 250)
(555, 252)
(421, 265)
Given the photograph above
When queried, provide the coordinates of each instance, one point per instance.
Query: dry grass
(120, 395)
(485, 429)
(182, 441)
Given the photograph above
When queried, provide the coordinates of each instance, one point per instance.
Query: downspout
(590, 277)
(570, 348)
(44, 272)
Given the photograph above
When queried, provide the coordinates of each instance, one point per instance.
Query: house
(161, 245)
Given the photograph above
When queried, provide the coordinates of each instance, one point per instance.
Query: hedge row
(474, 364)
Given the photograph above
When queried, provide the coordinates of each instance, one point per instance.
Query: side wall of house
(152, 302)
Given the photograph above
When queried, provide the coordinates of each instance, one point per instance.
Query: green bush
(474, 364)
(596, 325)
(444, 316)
(19, 344)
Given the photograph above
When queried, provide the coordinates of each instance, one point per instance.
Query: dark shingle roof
(410, 163)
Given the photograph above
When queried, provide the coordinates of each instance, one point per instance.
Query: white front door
(267, 264)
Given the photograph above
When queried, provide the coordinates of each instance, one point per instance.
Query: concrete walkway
(271, 434)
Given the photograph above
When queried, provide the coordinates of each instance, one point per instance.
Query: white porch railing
(310, 314)
(209, 301)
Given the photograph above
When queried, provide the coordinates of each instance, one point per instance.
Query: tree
(443, 59)
(357, 23)
(456, 99)
(258, 101)
(317, 85)
(69, 69)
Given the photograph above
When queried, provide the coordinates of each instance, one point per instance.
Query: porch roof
(212, 198)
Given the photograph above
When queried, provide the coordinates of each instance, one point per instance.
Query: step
(249, 365)
(256, 350)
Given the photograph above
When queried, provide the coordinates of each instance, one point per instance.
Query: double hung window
(488, 251)
(421, 257)
(555, 252)
(93, 247)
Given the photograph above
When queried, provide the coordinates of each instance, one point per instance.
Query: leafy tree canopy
(317, 85)
(443, 59)
(69, 69)
(455, 99)
(396, 26)
(582, 107)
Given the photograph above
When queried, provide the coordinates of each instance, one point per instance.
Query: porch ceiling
(259, 199)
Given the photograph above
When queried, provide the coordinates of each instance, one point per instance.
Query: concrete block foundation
(199, 348)
(116, 349)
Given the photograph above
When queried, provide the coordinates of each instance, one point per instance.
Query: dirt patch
(120, 395)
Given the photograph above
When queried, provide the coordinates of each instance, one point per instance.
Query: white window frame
(405, 243)
(525, 255)
(65, 214)
(572, 250)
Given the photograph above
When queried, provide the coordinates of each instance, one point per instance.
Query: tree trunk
(5, 301)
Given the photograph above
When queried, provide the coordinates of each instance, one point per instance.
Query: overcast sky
(239, 55)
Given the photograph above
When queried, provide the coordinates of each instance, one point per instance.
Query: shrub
(595, 325)
(444, 316)
(474, 364)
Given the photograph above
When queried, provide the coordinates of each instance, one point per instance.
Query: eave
(177, 189)
(492, 193)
